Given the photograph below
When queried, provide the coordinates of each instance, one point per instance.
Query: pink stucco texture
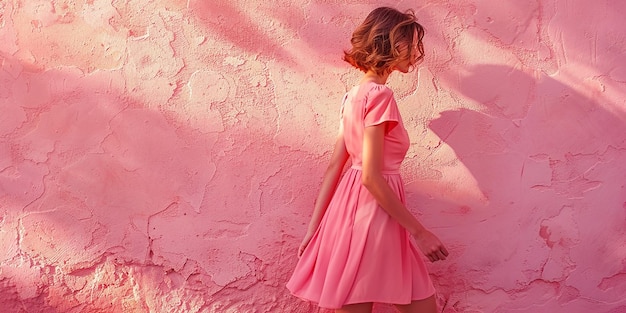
(164, 155)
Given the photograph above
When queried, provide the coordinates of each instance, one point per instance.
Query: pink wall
(163, 156)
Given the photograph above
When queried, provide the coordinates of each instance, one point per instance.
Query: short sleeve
(381, 107)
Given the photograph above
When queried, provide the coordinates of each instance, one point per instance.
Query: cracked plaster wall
(163, 156)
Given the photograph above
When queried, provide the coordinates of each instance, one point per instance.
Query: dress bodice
(373, 104)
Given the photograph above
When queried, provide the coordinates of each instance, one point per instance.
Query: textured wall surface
(164, 155)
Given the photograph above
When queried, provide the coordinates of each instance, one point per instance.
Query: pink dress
(359, 253)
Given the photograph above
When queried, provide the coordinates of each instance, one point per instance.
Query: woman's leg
(356, 308)
(428, 305)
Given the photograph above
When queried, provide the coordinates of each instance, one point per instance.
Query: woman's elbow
(368, 180)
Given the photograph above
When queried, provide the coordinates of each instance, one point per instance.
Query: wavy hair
(376, 42)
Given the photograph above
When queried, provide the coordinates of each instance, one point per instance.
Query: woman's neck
(372, 76)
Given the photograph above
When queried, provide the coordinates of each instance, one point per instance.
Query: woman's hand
(431, 246)
(305, 241)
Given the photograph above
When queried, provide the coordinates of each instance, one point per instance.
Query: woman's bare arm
(373, 180)
(329, 184)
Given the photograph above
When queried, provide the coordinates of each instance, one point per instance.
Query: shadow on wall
(104, 196)
(552, 163)
(536, 120)
(83, 174)
(268, 29)
(303, 38)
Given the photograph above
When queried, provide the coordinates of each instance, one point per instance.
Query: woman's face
(409, 61)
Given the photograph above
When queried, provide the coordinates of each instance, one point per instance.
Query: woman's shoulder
(373, 87)
(377, 93)
(369, 91)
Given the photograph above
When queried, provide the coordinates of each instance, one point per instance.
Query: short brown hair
(375, 41)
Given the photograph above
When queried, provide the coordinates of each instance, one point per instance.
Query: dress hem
(359, 301)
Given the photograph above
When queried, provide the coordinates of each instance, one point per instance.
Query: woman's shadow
(551, 160)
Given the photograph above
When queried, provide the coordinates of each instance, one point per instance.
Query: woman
(358, 248)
